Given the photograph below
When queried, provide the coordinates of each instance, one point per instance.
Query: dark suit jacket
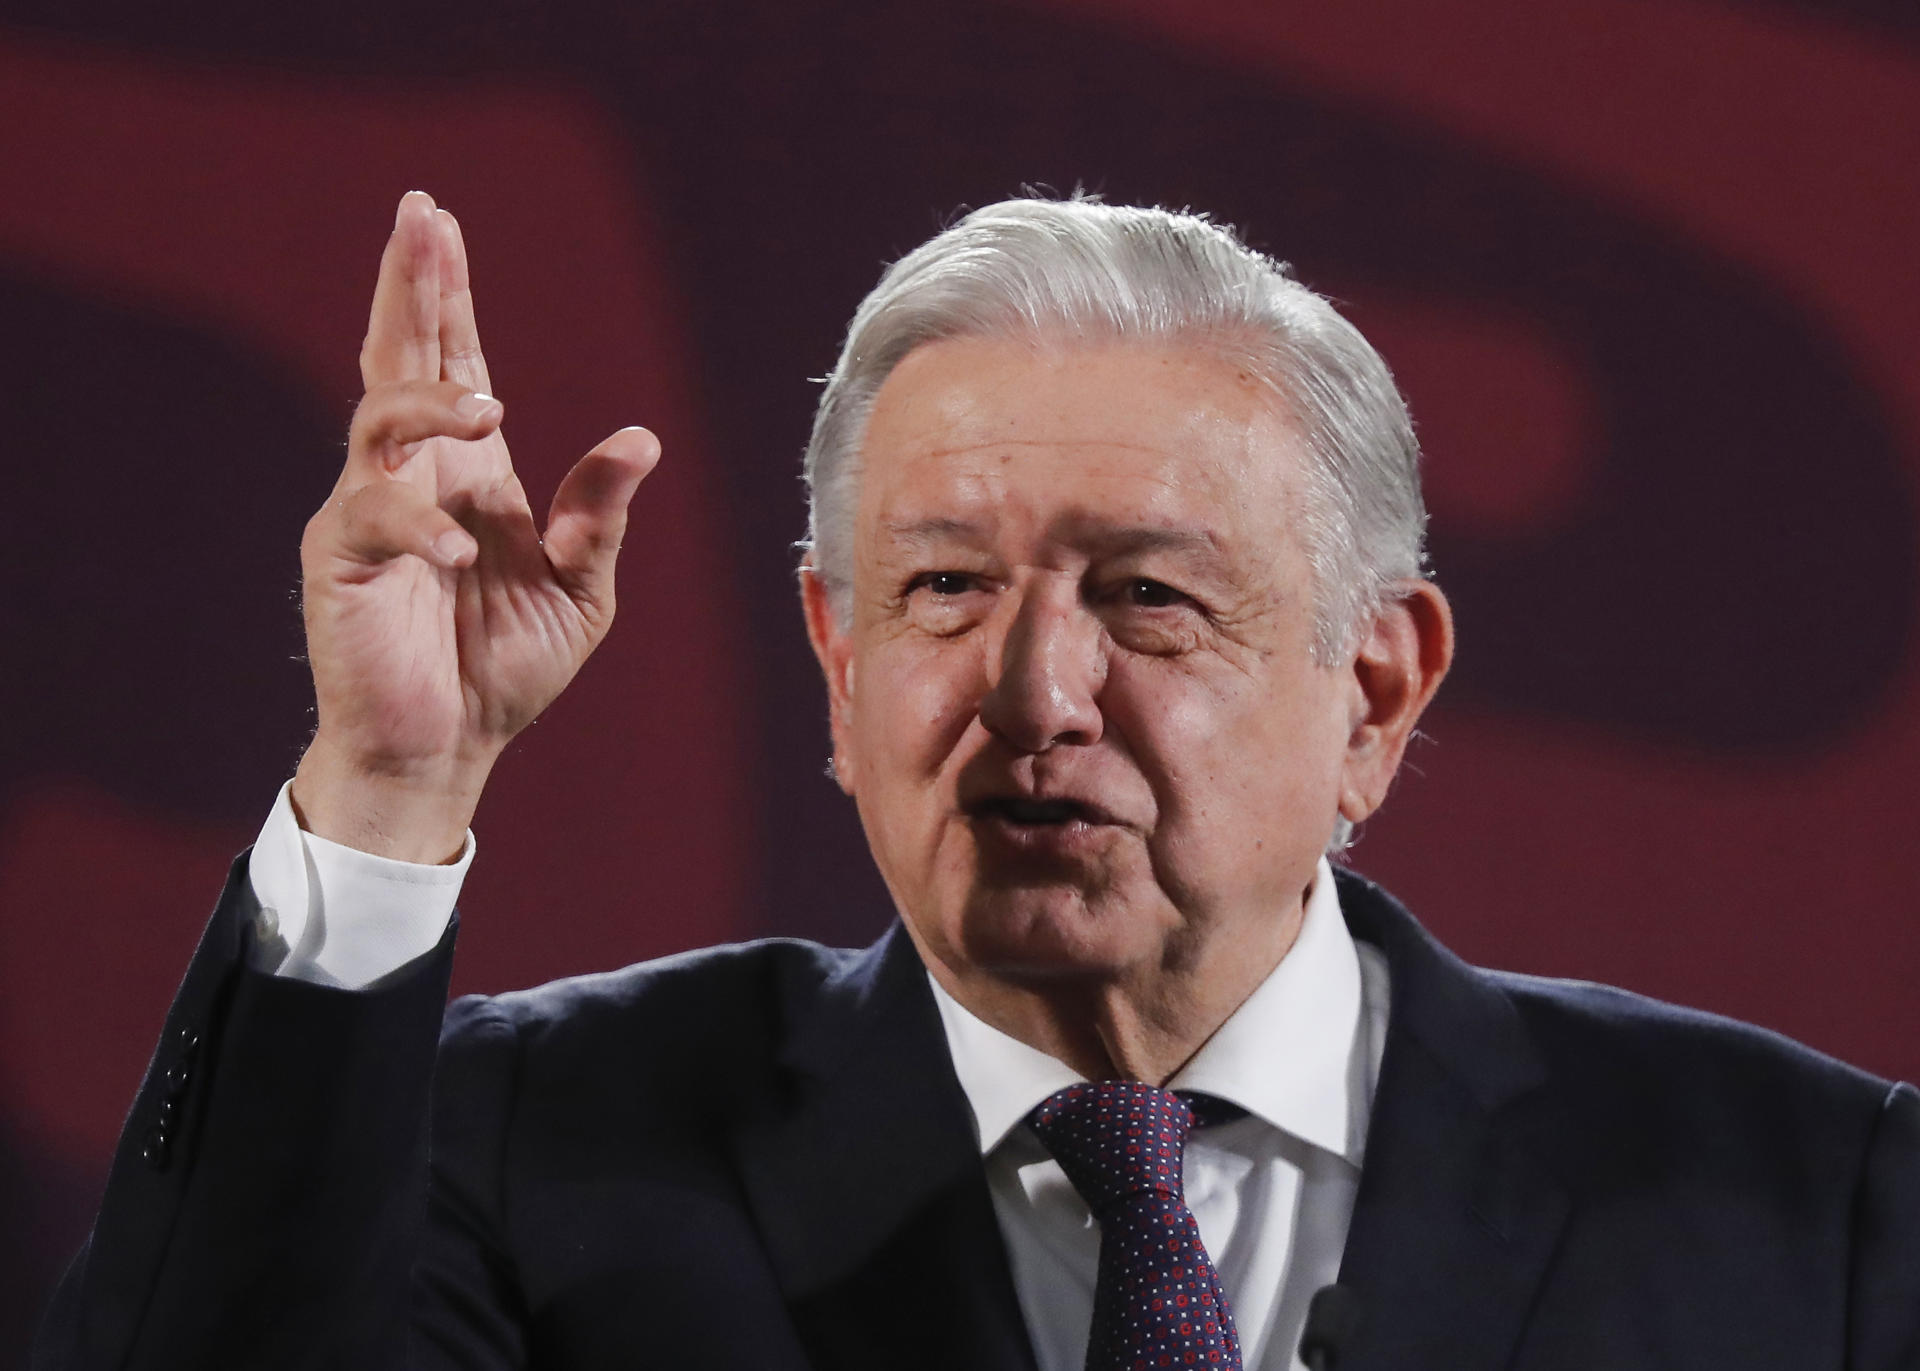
(759, 1157)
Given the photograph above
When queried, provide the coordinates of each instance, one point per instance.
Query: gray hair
(1080, 270)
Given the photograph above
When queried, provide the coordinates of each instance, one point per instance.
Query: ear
(1400, 662)
(833, 647)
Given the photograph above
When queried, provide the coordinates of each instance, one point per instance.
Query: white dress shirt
(335, 915)
(1273, 1192)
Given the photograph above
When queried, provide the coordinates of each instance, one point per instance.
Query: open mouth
(1027, 812)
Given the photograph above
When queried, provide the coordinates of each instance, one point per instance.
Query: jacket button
(178, 1075)
(188, 1039)
(169, 1112)
(156, 1149)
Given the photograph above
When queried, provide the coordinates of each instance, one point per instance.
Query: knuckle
(327, 531)
(394, 410)
(373, 411)
(384, 396)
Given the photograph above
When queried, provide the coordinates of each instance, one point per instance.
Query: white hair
(1078, 270)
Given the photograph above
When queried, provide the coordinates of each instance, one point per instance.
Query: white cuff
(334, 915)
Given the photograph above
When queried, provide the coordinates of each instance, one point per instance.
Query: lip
(1049, 843)
(1086, 827)
(1001, 807)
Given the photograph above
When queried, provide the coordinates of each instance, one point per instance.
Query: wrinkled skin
(1075, 696)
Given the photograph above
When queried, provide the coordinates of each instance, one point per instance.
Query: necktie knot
(1116, 1139)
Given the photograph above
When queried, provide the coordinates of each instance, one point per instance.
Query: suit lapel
(865, 1179)
(1458, 1212)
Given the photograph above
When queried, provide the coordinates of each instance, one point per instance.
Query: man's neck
(1141, 1026)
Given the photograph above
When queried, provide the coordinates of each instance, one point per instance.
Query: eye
(944, 583)
(947, 603)
(1145, 594)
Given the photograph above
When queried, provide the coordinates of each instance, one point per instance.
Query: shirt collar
(1284, 1055)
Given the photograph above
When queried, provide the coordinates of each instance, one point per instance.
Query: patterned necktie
(1157, 1300)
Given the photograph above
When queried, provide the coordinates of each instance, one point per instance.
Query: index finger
(460, 356)
(403, 328)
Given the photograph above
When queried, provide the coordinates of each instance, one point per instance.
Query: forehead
(993, 431)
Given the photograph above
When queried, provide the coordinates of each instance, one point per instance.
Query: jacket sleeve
(266, 1200)
(468, 1307)
(1884, 1314)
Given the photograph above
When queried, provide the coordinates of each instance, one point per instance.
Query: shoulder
(1603, 1033)
(1657, 1095)
(1697, 1123)
(724, 980)
(1614, 1077)
(684, 1022)
(1631, 1039)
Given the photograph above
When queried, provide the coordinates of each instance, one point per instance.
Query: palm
(433, 658)
(428, 663)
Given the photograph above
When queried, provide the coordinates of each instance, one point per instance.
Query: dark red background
(1644, 267)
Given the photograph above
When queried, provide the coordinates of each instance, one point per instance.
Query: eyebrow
(1135, 539)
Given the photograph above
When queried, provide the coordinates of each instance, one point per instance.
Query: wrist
(414, 813)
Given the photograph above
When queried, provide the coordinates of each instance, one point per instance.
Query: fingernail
(475, 407)
(450, 547)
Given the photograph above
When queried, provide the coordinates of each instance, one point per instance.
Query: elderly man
(1115, 580)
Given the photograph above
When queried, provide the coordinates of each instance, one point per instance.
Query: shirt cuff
(337, 916)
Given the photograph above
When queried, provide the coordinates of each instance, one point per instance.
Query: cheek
(914, 702)
(1228, 750)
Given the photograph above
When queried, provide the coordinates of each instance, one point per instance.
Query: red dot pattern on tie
(1157, 1299)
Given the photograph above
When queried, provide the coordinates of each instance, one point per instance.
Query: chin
(1052, 932)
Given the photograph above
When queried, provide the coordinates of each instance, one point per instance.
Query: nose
(1045, 689)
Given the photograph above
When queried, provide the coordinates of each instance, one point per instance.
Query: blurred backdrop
(1643, 266)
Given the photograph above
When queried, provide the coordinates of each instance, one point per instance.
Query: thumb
(589, 514)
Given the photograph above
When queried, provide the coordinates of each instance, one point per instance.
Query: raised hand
(439, 623)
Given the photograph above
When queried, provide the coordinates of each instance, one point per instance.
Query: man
(1115, 582)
